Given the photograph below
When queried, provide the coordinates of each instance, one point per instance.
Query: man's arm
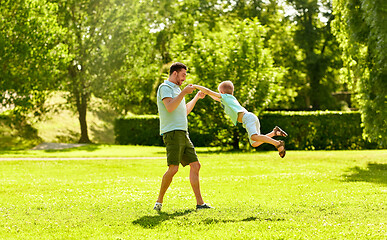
(191, 104)
(214, 95)
(172, 103)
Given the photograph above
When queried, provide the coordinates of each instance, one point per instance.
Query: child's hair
(226, 87)
(177, 66)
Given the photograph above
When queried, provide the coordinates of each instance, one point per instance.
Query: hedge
(319, 130)
(139, 130)
(307, 130)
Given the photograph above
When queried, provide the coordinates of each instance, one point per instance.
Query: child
(237, 113)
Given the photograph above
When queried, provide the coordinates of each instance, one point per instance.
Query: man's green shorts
(179, 148)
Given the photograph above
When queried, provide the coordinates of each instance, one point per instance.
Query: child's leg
(252, 125)
(276, 132)
(258, 143)
(259, 139)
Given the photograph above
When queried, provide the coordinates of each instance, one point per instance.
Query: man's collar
(170, 83)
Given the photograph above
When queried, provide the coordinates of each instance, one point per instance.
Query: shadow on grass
(374, 172)
(87, 148)
(249, 219)
(103, 132)
(153, 221)
(215, 151)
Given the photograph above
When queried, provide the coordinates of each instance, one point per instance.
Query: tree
(31, 54)
(279, 38)
(83, 21)
(132, 63)
(361, 30)
(180, 18)
(235, 52)
(320, 61)
(302, 46)
(98, 39)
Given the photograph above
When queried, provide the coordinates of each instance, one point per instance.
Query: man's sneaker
(157, 206)
(204, 206)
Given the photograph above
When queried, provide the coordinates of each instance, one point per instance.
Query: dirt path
(57, 146)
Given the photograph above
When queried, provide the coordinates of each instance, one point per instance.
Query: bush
(318, 130)
(307, 130)
(16, 133)
(139, 130)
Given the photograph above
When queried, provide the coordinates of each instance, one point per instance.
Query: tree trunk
(235, 138)
(315, 85)
(81, 97)
(82, 110)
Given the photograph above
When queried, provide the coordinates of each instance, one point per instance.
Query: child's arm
(214, 95)
(215, 98)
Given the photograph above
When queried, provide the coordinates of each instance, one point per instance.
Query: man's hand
(208, 91)
(191, 104)
(188, 89)
(201, 94)
(172, 103)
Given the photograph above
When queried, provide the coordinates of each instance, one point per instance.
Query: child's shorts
(252, 125)
(180, 149)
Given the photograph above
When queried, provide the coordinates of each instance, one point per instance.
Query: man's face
(180, 77)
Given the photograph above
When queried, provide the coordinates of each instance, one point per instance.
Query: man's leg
(167, 179)
(194, 179)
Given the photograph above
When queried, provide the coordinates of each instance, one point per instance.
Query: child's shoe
(279, 132)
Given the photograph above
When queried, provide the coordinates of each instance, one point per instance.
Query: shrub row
(139, 130)
(307, 130)
(319, 130)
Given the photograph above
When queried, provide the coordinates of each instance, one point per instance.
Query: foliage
(235, 52)
(127, 73)
(279, 40)
(84, 21)
(16, 134)
(103, 39)
(320, 55)
(307, 195)
(361, 30)
(307, 131)
(121, 50)
(141, 130)
(302, 46)
(318, 130)
(31, 54)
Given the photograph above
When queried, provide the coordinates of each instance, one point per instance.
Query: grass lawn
(306, 195)
(90, 151)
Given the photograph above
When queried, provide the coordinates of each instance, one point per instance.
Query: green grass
(306, 195)
(90, 151)
(93, 151)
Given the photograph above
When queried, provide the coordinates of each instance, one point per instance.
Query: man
(174, 128)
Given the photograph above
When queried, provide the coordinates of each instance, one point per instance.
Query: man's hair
(227, 87)
(177, 66)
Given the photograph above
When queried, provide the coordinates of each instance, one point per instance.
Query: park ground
(107, 192)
